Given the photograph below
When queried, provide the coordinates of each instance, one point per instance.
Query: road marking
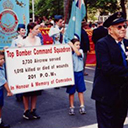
(90, 82)
(90, 126)
(95, 125)
(90, 68)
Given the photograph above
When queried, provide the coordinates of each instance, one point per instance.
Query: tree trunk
(122, 3)
(66, 10)
(86, 17)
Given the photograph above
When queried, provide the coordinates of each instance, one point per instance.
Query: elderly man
(110, 88)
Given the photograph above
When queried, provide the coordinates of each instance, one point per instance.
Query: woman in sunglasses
(110, 90)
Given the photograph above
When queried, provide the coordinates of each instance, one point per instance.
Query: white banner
(37, 68)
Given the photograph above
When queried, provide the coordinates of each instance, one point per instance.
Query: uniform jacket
(98, 33)
(84, 45)
(110, 74)
(16, 41)
(54, 32)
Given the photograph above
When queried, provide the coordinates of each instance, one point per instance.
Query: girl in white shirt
(31, 40)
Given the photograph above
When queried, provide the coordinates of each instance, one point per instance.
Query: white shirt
(16, 41)
(2, 76)
(78, 63)
(122, 45)
(55, 34)
(26, 42)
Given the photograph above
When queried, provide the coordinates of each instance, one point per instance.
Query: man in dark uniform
(110, 88)
(99, 32)
(84, 44)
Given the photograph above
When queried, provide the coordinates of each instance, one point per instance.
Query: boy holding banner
(79, 77)
(3, 82)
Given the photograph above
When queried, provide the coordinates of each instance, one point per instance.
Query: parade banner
(91, 57)
(12, 12)
(37, 68)
(46, 38)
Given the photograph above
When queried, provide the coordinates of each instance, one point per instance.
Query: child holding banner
(31, 40)
(3, 82)
(79, 77)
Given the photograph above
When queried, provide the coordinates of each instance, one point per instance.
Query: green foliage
(48, 7)
(104, 6)
(52, 7)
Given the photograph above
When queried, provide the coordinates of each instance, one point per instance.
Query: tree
(67, 9)
(122, 4)
(106, 6)
(48, 7)
(63, 7)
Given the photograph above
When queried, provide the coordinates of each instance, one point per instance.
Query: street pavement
(53, 106)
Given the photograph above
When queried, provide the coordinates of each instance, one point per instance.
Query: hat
(99, 22)
(57, 17)
(21, 26)
(116, 18)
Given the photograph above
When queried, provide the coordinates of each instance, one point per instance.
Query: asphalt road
(53, 107)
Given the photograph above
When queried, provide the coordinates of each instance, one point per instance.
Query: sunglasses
(120, 26)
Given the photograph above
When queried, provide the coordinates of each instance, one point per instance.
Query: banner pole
(33, 13)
